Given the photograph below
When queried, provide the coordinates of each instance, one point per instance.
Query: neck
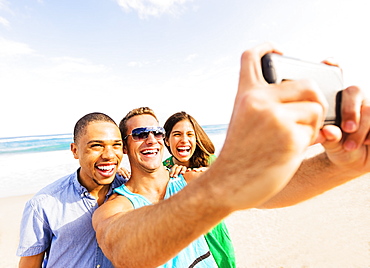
(152, 185)
(98, 191)
(177, 162)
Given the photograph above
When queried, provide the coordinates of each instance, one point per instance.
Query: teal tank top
(197, 254)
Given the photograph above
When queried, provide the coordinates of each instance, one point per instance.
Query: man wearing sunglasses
(150, 181)
(260, 165)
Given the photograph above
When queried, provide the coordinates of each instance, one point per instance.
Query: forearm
(151, 235)
(315, 176)
(34, 261)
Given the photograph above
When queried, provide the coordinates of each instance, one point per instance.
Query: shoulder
(60, 184)
(118, 181)
(115, 204)
(55, 189)
(176, 184)
(118, 200)
(136, 200)
(121, 190)
(56, 194)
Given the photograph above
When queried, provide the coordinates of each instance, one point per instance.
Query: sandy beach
(11, 209)
(331, 230)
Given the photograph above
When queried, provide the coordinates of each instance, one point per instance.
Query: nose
(184, 138)
(108, 153)
(151, 138)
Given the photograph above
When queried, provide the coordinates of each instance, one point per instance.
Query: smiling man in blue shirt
(56, 229)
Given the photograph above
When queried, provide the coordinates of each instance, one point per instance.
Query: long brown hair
(204, 148)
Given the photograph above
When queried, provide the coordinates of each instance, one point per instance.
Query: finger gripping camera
(277, 68)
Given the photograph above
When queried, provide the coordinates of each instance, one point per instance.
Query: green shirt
(218, 239)
(169, 161)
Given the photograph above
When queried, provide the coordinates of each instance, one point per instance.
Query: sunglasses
(142, 133)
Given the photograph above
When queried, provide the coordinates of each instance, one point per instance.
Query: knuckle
(365, 110)
(247, 55)
(348, 111)
(352, 90)
(309, 86)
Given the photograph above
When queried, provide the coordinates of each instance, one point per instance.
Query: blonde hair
(132, 113)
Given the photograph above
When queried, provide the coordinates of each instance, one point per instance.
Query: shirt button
(98, 266)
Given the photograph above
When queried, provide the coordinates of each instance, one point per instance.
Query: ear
(74, 150)
(124, 148)
(166, 142)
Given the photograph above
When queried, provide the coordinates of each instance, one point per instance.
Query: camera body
(277, 68)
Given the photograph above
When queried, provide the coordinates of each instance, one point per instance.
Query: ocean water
(30, 163)
(33, 144)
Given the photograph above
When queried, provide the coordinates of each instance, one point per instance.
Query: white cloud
(3, 4)
(4, 22)
(138, 63)
(76, 65)
(12, 48)
(191, 58)
(4, 7)
(147, 8)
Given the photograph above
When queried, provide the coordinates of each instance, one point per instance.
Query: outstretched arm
(271, 127)
(346, 154)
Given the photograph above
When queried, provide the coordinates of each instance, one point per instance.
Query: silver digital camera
(277, 68)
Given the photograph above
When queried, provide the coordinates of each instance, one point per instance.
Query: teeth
(149, 151)
(183, 148)
(106, 167)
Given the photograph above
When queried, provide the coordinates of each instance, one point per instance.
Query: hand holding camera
(277, 68)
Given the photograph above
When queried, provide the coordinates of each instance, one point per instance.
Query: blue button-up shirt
(57, 220)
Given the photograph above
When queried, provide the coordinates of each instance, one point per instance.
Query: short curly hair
(83, 122)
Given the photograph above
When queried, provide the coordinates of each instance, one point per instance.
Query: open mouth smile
(184, 150)
(150, 152)
(106, 170)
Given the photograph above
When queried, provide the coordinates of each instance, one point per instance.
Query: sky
(60, 60)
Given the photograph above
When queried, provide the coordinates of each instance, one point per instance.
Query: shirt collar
(82, 191)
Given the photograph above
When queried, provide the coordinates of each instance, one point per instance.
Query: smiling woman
(191, 147)
(188, 143)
